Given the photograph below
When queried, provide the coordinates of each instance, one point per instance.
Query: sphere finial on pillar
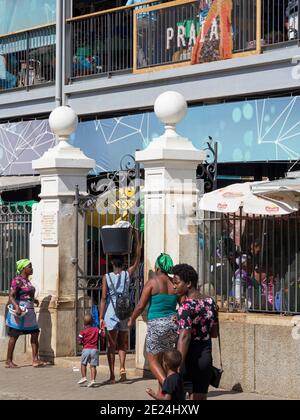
(63, 122)
(170, 108)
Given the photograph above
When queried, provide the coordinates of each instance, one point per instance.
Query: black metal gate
(111, 197)
(15, 228)
(251, 263)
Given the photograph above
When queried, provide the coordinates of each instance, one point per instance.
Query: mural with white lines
(22, 142)
(257, 130)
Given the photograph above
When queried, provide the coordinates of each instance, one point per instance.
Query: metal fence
(27, 58)
(163, 35)
(108, 42)
(280, 22)
(107, 203)
(244, 25)
(15, 228)
(102, 43)
(250, 263)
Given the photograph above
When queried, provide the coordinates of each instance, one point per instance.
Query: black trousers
(198, 367)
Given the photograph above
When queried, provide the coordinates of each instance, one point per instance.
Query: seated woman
(264, 289)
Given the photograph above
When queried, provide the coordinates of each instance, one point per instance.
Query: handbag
(216, 374)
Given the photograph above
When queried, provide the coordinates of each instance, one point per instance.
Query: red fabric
(89, 338)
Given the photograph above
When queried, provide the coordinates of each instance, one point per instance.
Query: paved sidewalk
(60, 383)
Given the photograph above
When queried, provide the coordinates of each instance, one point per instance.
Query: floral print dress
(199, 316)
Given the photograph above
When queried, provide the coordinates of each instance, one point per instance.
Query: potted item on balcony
(117, 239)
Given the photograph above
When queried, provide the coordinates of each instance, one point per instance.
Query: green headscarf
(165, 263)
(21, 265)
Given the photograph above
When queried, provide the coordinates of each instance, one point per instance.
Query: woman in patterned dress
(21, 317)
(198, 324)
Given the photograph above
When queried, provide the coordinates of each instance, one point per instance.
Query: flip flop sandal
(39, 364)
(123, 376)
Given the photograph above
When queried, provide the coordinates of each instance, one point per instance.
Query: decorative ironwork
(208, 170)
(107, 182)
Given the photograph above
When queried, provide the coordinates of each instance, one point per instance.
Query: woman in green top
(162, 326)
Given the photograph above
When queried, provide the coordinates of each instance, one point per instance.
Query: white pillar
(170, 195)
(52, 242)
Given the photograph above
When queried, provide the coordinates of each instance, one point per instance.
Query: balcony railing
(102, 43)
(145, 37)
(27, 58)
(154, 35)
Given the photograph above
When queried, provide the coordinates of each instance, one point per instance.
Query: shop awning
(10, 183)
(15, 45)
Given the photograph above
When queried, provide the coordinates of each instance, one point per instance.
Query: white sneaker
(91, 384)
(82, 381)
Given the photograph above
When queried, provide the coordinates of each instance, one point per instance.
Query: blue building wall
(256, 130)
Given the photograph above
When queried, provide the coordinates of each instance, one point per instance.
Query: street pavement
(60, 383)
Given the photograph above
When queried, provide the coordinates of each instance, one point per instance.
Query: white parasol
(230, 199)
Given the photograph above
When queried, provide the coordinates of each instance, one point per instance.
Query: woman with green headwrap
(162, 326)
(21, 317)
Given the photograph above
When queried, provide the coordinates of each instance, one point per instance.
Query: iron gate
(251, 263)
(15, 228)
(111, 197)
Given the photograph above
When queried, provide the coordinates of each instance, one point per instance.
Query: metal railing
(102, 43)
(251, 263)
(244, 25)
(27, 58)
(15, 228)
(280, 21)
(133, 38)
(150, 35)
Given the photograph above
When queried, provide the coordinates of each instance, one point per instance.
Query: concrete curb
(131, 370)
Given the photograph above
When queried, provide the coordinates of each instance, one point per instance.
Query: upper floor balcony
(151, 36)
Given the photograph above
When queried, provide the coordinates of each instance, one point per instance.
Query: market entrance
(112, 197)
